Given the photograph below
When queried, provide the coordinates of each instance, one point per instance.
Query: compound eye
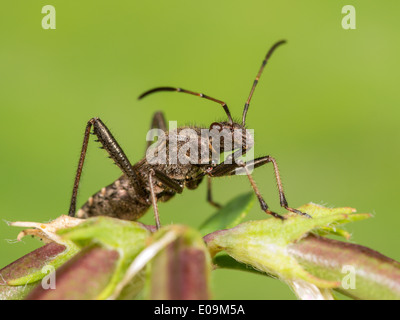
(216, 126)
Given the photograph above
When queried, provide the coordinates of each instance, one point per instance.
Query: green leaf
(47, 233)
(230, 215)
(20, 277)
(263, 243)
(128, 238)
(363, 273)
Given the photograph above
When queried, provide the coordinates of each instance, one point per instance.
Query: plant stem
(363, 272)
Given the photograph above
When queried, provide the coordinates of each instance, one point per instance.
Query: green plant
(106, 258)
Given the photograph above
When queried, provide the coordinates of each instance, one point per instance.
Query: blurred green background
(326, 107)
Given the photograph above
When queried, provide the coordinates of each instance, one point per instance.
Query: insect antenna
(201, 95)
(246, 106)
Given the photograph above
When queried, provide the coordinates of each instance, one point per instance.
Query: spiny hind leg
(116, 153)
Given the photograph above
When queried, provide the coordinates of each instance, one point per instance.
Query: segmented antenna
(201, 95)
(246, 106)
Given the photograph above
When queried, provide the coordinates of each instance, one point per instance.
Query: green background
(326, 107)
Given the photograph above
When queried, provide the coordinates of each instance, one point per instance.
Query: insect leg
(158, 122)
(209, 194)
(230, 169)
(224, 169)
(263, 204)
(116, 153)
(282, 198)
(154, 199)
(167, 181)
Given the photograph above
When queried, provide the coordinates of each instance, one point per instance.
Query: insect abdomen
(118, 200)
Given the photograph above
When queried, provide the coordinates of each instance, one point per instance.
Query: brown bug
(144, 184)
